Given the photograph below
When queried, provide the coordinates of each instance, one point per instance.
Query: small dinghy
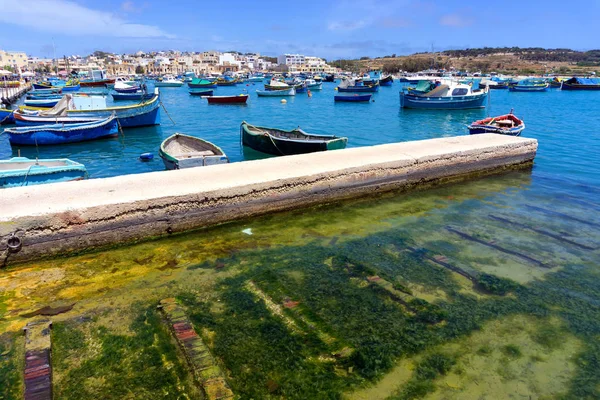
(504, 124)
(240, 99)
(201, 92)
(21, 171)
(353, 98)
(282, 143)
(183, 151)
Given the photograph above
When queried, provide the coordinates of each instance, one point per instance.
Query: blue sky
(331, 29)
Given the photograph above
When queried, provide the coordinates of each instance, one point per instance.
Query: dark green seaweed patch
(512, 351)
(422, 382)
(10, 371)
(124, 366)
(496, 285)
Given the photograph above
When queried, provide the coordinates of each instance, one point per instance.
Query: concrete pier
(57, 219)
(12, 94)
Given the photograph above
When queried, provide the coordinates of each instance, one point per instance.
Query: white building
(291, 59)
(13, 59)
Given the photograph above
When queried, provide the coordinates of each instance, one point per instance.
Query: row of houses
(166, 62)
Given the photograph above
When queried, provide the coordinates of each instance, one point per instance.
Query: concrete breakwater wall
(12, 94)
(57, 219)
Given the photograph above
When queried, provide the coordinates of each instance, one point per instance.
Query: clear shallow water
(538, 228)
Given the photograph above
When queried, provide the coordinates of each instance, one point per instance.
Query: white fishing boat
(168, 81)
(276, 93)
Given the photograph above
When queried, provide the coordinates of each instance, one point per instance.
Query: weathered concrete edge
(85, 229)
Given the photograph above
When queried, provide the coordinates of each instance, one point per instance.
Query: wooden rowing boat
(182, 151)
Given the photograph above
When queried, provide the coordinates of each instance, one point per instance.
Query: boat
(123, 87)
(329, 78)
(226, 82)
(21, 171)
(353, 98)
(576, 83)
(277, 85)
(52, 90)
(201, 83)
(168, 81)
(142, 114)
(276, 93)
(282, 143)
(33, 118)
(45, 103)
(351, 85)
(239, 99)
(6, 116)
(201, 92)
(62, 133)
(182, 151)
(446, 95)
(507, 124)
(529, 85)
(135, 96)
(256, 78)
(97, 78)
(312, 84)
(386, 81)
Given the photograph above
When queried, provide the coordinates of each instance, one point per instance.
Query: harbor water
(485, 289)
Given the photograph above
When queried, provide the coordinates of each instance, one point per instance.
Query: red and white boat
(507, 124)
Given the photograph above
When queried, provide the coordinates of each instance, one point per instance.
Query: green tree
(139, 69)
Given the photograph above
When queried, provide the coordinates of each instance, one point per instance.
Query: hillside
(511, 60)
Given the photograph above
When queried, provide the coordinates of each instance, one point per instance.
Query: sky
(331, 29)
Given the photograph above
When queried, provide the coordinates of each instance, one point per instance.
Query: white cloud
(345, 25)
(67, 17)
(350, 15)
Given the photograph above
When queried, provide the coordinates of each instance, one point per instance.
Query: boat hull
(201, 92)
(317, 86)
(131, 96)
(227, 99)
(442, 103)
(387, 81)
(359, 89)
(353, 99)
(98, 83)
(570, 86)
(202, 85)
(27, 172)
(47, 103)
(518, 88)
(6, 116)
(168, 84)
(72, 88)
(478, 129)
(276, 93)
(61, 134)
(34, 120)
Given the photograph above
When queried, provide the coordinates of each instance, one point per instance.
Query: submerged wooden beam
(441, 260)
(58, 219)
(204, 366)
(562, 215)
(499, 248)
(541, 232)
(38, 367)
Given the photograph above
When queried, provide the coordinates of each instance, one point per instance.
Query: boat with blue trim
(7, 116)
(577, 83)
(507, 124)
(21, 171)
(443, 95)
(62, 133)
(529, 85)
(199, 83)
(353, 98)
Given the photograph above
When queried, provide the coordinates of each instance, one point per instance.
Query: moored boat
(281, 142)
(137, 95)
(276, 93)
(353, 98)
(23, 118)
(227, 82)
(386, 81)
(62, 133)
(529, 85)
(349, 85)
(577, 83)
(201, 92)
(507, 124)
(239, 99)
(313, 84)
(168, 81)
(21, 171)
(447, 95)
(182, 151)
(7, 116)
(201, 83)
(45, 103)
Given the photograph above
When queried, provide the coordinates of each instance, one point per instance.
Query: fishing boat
(312, 84)
(226, 82)
(351, 85)
(576, 83)
(256, 78)
(276, 93)
(45, 103)
(507, 124)
(446, 95)
(282, 143)
(353, 98)
(21, 171)
(201, 92)
(62, 133)
(277, 85)
(168, 81)
(6, 116)
(202, 83)
(135, 96)
(36, 118)
(529, 85)
(329, 78)
(386, 81)
(123, 87)
(52, 90)
(239, 99)
(182, 151)
(142, 114)
(96, 78)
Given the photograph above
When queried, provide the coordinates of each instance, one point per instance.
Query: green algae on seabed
(91, 361)
(11, 365)
(290, 310)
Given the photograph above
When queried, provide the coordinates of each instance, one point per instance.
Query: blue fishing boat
(6, 116)
(349, 85)
(386, 81)
(45, 96)
(576, 83)
(201, 92)
(47, 91)
(61, 133)
(70, 88)
(353, 98)
(135, 96)
(37, 118)
(529, 85)
(202, 83)
(21, 171)
(447, 95)
(45, 103)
